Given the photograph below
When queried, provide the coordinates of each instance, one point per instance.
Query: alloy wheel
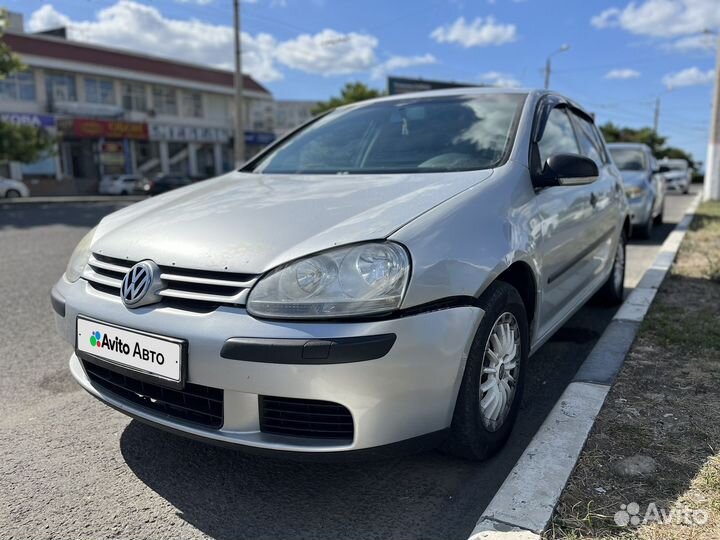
(500, 370)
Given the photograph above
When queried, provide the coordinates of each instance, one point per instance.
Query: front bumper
(640, 210)
(408, 393)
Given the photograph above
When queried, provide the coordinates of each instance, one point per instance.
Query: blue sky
(307, 49)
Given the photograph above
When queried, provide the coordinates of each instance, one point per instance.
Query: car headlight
(633, 192)
(79, 257)
(362, 279)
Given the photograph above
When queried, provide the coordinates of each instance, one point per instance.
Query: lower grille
(197, 404)
(305, 418)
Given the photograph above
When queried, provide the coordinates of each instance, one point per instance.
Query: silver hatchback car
(374, 281)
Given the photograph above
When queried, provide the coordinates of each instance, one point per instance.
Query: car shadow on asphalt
(228, 494)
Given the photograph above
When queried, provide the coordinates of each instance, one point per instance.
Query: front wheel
(492, 385)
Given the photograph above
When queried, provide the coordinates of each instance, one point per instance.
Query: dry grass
(665, 404)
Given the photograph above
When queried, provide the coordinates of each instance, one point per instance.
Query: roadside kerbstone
(635, 466)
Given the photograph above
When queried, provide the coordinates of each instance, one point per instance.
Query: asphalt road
(73, 468)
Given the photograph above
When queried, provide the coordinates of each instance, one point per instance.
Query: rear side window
(590, 142)
(558, 137)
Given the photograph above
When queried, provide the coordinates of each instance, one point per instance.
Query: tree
(646, 135)
(18, 143)
(350, 93)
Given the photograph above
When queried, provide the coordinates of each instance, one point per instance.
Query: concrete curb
(523, 506)
(20, 201)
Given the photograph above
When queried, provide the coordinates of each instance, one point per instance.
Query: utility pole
(239, 130)
(711, 188)
(548, 65)
(656, 121)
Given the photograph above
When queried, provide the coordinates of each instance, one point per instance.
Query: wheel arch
(521, 276)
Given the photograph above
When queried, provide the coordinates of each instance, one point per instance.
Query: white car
(678, 175)
(123, 184)
(11, 189)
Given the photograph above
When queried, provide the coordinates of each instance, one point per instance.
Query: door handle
(593, 200)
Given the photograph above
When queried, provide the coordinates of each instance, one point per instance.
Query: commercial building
(121, 112)
(290, 114)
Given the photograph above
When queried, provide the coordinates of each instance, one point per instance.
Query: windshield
(414, 135)
(629, 159)
(677, 165)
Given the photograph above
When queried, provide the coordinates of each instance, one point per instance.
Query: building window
(165, 100)
(19, 86)
(192, 105)
(134, 97)
(99, 91)
(60, 87)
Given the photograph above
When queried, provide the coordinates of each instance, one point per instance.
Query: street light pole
(239, 131)
(548, 65)
(656, 120)
(711, 189)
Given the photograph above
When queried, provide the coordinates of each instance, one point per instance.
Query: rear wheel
(613, 291)
(12, 194)
(492, 385)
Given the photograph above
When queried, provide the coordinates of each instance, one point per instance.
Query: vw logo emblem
(141, 284)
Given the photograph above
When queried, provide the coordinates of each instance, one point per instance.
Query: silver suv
(376, 279)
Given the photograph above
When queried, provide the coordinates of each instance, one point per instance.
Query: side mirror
(568, 170)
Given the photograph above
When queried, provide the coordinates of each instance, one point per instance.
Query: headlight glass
(633, 192)
(363, 279)
(79, 257)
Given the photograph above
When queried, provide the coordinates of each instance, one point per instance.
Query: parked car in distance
(679, 174)
(162, 183)
(122, 184)
(375, 281)
(644, 185)
(11, 189)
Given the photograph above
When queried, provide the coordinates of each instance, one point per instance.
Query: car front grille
(194, 403)
(184, 288)
(305, 418)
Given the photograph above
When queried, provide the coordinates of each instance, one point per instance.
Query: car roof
(468, 91)
(630, 146)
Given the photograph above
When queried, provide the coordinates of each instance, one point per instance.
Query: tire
(472, 435)
(12, 194)
(644, 230)
(124, 193)
(613, 290)
(658, 220)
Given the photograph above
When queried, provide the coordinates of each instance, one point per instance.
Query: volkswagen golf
(374, 281)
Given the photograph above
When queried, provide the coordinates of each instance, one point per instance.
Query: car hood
(249, 223)
(634, 178)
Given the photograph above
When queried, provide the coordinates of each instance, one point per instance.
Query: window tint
(590, 142)
(558, 137)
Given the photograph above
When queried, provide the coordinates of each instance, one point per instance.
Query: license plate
(138, 351)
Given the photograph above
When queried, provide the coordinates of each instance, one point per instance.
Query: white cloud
(329, 52)
(662, 18)
(145, 29)
(479, 33)
(703, 42)
(622, 74)
(198, 2)
(398, 62)
(689, 77)
(496, 78)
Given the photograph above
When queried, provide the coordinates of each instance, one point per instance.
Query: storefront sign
(27, 119)
(108, 129)
(257, 137)
(166, 132)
